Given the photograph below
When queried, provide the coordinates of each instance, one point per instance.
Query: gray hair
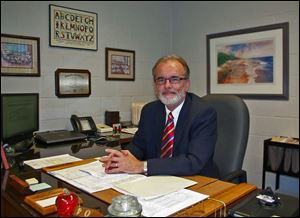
(175, 58)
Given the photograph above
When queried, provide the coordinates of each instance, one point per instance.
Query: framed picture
(119, 64)
(72, 83)
(251, 63)
(73, 28)
(20, 55)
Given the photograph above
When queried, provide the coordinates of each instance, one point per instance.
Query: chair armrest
(237, 176)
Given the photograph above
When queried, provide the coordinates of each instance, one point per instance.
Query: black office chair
(233, 130)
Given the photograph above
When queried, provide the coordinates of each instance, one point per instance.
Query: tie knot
(170, 116)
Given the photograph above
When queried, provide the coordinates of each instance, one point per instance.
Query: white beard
(174, 100)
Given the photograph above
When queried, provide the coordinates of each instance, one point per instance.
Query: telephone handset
(84, 125)
(87, 126)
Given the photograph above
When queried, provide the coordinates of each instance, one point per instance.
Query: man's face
(171, 92)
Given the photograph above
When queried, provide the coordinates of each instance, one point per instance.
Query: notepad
(47, 202)
(32, 181)
(154, 186)
(39, 186)
(102, 128)
(131, 130)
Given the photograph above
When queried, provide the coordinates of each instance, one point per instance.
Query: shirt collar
(175, 112)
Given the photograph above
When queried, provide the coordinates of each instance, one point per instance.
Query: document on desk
(102, 128)
(170, 203)
(154, 186)
(131, 130)
(51, 161)
(91, 177)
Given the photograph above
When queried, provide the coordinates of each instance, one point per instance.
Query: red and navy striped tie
(168, 138)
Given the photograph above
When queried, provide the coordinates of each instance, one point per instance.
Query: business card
(39, 186)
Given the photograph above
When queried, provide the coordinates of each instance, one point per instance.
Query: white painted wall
(140, 26)
(153, 29)
(192, 21)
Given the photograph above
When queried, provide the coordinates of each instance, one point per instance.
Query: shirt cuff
(145, 168)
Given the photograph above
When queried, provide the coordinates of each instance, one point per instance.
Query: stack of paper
(161, 195)
(91, 177)
(51, 161)
(154, 186)
(136, 109)
(171, 203)
(131, 130)
(104, 128)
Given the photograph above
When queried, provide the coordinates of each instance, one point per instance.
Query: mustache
(169, 92)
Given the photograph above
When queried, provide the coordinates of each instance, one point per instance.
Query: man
(186, 146)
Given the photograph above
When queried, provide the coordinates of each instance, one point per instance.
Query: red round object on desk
(66, 203)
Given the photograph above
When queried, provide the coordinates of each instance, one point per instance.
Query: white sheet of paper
(131, 130)
(154, 186)
(91, 177)
(39, 186)
(47, 202)
(170, 203)
(51, 161)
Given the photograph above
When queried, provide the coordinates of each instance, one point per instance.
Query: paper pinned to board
(154, 186)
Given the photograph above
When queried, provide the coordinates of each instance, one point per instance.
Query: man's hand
(121, 161)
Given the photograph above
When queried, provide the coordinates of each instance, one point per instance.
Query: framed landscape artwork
(251, 63)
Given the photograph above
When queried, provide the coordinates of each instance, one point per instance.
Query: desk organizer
(32, 199)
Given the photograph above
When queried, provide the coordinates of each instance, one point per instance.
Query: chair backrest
(233, 131)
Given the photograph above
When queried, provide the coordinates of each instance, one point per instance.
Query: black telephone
(86, 125)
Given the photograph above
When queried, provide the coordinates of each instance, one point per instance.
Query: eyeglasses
(172, 80)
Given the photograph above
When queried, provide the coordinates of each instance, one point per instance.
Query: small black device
(85, 125)
(267, 198)
(77, 147)
(58, 136)
(101, 141)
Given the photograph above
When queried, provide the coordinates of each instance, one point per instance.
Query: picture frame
(73, 28)
(251, 63)
(119, 64)
(72, 83)
(20, 55)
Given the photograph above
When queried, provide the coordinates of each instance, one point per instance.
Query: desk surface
(12, 203)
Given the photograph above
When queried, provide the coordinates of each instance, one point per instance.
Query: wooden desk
(216, 189)
(12, 202)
